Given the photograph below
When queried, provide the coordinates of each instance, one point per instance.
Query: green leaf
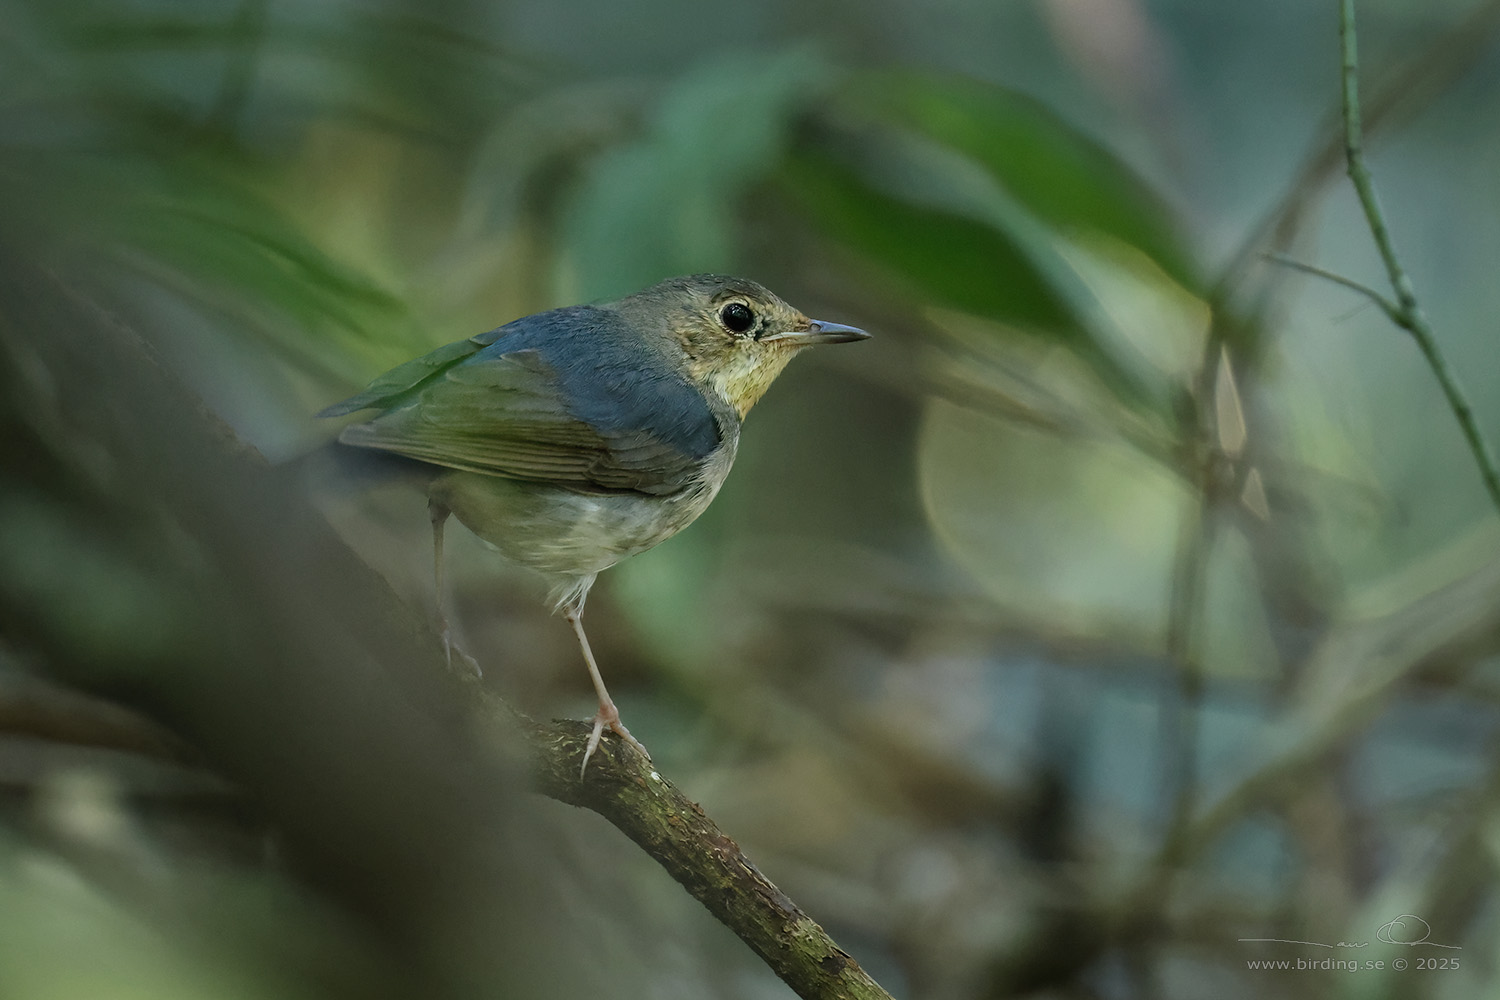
(199, 227)
(938, 223)
(957, 261)
(1061, 175)
(981, 200)
(666, 204)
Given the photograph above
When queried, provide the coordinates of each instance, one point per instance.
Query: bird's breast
(562, 532)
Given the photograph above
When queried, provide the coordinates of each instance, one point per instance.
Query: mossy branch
(624, 788)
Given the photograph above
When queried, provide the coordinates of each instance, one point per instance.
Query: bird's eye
(737, 317)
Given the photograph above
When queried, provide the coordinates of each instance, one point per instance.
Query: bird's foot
(608, 717)
(450, 648)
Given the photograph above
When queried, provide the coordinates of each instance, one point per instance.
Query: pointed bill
(820, 332)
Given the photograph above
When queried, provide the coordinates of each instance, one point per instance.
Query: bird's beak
(820, 332)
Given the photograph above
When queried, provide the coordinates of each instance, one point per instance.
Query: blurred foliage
(1126, 598)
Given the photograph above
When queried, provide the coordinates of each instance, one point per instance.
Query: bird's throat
(746, 377)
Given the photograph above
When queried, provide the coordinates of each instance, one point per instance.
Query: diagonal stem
(1408, 312)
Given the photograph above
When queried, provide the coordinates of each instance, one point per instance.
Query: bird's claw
(450, 647)
(608, 717)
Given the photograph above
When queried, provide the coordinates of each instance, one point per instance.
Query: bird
(574, 438)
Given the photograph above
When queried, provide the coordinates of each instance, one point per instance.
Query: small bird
(574, 438)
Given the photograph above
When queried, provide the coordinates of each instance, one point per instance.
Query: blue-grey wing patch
(510, 414)
(611, 377)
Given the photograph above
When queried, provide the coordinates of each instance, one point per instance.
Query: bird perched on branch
(574, 438)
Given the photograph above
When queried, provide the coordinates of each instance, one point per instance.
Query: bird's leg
(439, 515)
(608, 714)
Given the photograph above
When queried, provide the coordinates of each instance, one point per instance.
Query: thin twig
(1408, 311)
(1386, 305)
(1405, 94)
(1179, 726)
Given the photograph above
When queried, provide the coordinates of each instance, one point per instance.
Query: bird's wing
(387, 390)
(508, 414)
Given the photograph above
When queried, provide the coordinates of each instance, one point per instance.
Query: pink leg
(608, 714)
(439, 515)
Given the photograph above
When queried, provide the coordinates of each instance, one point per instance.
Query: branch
(621, 786)
(1407, 312)
(35, 709)
(625, 789)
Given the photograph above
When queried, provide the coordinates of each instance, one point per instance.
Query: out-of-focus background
(1127, 598)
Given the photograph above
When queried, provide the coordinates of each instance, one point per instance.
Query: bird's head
(734, 336)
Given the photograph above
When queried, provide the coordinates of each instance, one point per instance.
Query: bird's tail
(338, 470)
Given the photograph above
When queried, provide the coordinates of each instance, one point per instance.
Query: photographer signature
(1407, 929)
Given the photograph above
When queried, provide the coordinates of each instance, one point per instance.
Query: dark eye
(737, 317)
